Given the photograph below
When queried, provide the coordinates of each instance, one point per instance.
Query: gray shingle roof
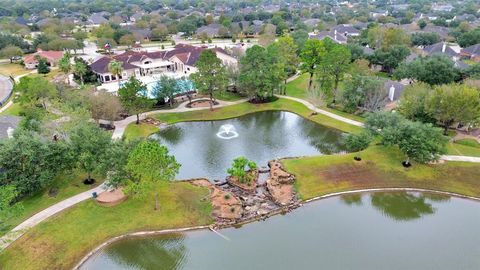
(440, 48)
(6, 122)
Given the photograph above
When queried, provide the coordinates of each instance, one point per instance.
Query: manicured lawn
(463, 148)
(380, 167)
(228, 96)
(60, 242)
(68, 184)
(141, 130)
(12, 70)
(14, 109)
(246, 108)
(468, 142)
(299, 88)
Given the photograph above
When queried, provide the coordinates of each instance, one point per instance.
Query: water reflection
(352, 199)
(402, 206)
(262, 136)
(161, 252)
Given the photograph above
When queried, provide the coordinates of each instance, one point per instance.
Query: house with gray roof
(210, 30)
(96, 19)
(346, 30)
(333, 35)
(441, 48)
(8, 124)
(471, 52)
(394, 89)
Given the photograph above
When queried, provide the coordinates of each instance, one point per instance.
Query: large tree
(259, 73)
(133, 96)
(9, 207)
(287, 56)
(33, 89)
(453, 103)
(89, 144)
(435, 69)
(65, 66)
(166, 87)
(150, 163)
(104, 105)
(365, 93)
(11, 52)
(81, 70)
(412, 103)
(311, 56)
(211, 75)
(389, 58)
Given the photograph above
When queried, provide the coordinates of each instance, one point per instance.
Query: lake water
(371, 231)
(262, 136)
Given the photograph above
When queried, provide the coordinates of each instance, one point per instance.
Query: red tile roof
(51, 56)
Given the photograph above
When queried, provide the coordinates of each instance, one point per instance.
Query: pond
(365, 231)
(207, 148)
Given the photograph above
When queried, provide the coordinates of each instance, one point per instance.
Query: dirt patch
(204, 103)
(151, 121)
(225, 204)
(111, 198)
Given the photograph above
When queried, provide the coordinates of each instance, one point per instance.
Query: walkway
(329, 114)
(121, 125)
(44, 214)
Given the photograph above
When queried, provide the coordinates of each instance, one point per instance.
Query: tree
(386, 38)
(420, 142)
(160, 32)
(104, 105)
(311, 56)
(300, 37)
(11, 52)
(288, 59)
(211, 75)
(335, 64)
(469, 38)
(30, 163)
(42, 67)
(391, 58)
(80, 69)
(166, 87)
(422, 23)
(259, 73)
(65, 66)
(364, 92)
(412, 103)
(435, 69)
(357, 142)
(454, 103)
(239, 169)
(8, 204)
(133, 96)
(425, 39)
(116, 68)
(89, 144)
(34, 89)
(267, 35)
(116, 161)
(127, 40)
(150, 163)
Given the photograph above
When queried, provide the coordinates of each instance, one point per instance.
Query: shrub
(355, 143)
(239, 167)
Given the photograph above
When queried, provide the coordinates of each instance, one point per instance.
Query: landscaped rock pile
(280, 184)
(235, 202)
(151, 121)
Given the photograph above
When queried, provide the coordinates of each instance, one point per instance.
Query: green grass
(61, 241)
(228, 96)
(468, 142)
(68, 184)
(246, 108)
(299, 88)
(12, 70)
(462, 148)
(141, 130)
(14, 110)
(380, 167)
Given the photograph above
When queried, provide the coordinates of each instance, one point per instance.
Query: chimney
(444, 46)
(335, 34)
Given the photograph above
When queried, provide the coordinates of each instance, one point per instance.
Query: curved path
(120, 127)
(6, 87)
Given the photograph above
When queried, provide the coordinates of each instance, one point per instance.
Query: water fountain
(227, 132)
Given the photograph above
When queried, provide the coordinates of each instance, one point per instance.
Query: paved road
(5, 87)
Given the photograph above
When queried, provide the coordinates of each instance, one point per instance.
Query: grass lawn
(228, 96)
(463, 148)
(61, 241)
(380, 167)
(298, 88)
(141, 130)
(246, 108)
(14, 110)
(68, 184)
(12, 70)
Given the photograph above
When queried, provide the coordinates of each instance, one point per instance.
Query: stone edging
(141, 233)
(276, 212)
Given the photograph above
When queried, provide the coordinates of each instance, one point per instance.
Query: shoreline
(284, 209)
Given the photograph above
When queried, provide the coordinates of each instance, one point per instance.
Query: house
(8, 124)
(441, 48)
(96, 19)
(52, 58)
(442, 8)
(180, 60)
(471, 52)
(136, 17)
(346, 30)
(210, 30)
(461, 65)
(379, 13)
(394, 89)
(312, 23)
(333, 35)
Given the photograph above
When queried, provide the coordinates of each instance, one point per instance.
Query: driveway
(5, 87)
